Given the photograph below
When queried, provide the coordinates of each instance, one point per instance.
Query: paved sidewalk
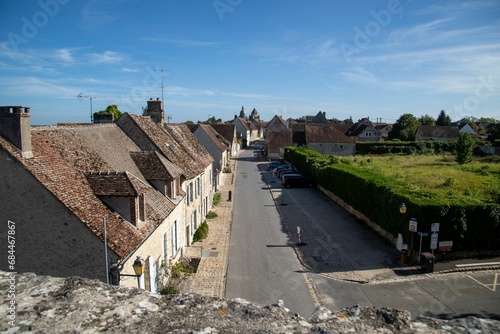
(210, 279)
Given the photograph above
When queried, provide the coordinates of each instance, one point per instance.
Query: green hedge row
(399, 147)
(470, 227)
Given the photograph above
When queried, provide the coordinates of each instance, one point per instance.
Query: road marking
(487, 286)
(477, 264)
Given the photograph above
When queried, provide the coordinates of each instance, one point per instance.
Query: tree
(427, 120)
(465, 148)
(404, 128)
(112, 109)
(443, 119)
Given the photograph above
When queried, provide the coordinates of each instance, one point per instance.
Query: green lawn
(478, 181)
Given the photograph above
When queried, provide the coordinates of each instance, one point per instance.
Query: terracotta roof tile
(325, 133)
(62, 155)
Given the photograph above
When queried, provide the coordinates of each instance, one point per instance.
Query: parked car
(284, 167)
(295, 180)
(274, 164)
(285, 172)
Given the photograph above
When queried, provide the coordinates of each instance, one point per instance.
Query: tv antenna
(162, 86)
(81, 97)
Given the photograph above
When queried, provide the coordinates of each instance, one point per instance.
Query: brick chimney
(15, 127)
(155, 110)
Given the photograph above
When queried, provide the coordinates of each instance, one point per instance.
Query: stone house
(216, 145)
(277, 140)
(82, 174)
(326, 139)
(228, 132)
(244, 130)
(277, 123)
(437, 133)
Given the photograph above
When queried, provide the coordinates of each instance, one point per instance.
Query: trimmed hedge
(400, 147)
(470, 227)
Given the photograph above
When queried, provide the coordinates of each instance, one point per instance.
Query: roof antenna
(80, 97)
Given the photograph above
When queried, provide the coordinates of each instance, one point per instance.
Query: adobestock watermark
(31, 25)
(485, 87)
(223, 6)
(364, 36)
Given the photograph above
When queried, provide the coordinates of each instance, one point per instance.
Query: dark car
(285, 172)
(295, 180)
(274, 164)
(280, 168)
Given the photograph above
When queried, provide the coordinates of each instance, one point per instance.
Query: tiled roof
(111, 143)
(243, 122)
(278, 139)
(62, 156)
(175, 142)
(225, 130)
(155, 167)
(219, 141)
(428, 131)
(111, 184)
(197, 157)
(325, 133)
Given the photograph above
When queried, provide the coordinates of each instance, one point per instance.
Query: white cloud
(107, 57)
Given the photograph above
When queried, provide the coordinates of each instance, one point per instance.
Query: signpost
(421, 234)
(413, 229)
(434, 242)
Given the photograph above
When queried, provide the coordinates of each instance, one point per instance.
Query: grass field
(478, 181)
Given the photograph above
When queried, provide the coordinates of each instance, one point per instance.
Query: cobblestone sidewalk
(210, 279)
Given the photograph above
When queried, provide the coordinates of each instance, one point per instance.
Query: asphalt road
(262, 265)
(443, 296)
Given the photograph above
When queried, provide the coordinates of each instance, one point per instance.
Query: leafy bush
(201, 232)
(211, 214)
(217, 197)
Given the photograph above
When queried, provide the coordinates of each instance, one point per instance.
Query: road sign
(445, 246)
(413, 225)
(435, 227)
(434, 240)
(423, 234)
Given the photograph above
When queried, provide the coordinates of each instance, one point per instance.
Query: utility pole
(80, 97)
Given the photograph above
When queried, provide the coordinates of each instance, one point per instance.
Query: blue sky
(377, 59)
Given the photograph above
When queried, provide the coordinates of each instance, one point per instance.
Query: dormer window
(117, 191)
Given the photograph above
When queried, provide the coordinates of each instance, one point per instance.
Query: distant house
(216, 145)
(277, 123)
(384, 130)
(228, 131)
(437, 133)
(277, 140)
(364, 130)
(244, 131)
(327, 139)
(468, 129)
(149, 181)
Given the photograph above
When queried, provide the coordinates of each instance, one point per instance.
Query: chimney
(103, 117)
(155, 110)
(15, 127)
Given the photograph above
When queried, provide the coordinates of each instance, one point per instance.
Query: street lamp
(115, 271)
(402, 208)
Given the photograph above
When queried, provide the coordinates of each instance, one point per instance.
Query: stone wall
(77, 305)
(44, 227)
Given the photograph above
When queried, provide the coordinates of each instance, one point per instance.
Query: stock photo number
(11, 282)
